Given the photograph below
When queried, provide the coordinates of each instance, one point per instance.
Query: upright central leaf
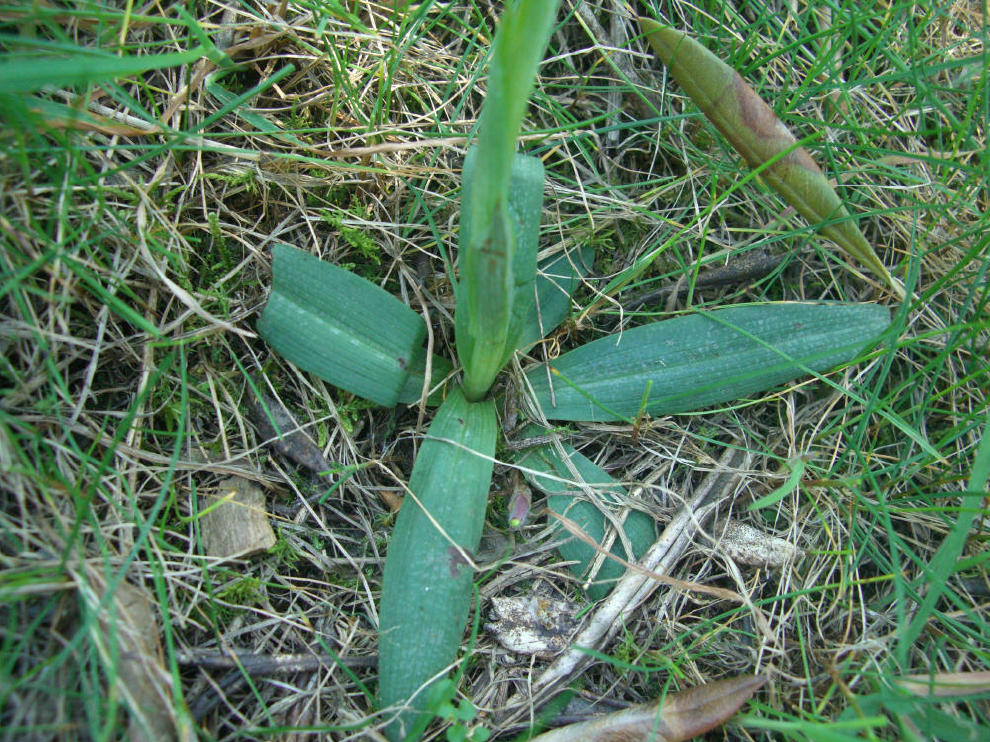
(490, 227)
(485, 302)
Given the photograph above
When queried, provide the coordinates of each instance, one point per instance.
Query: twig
(744, 268)
(264, 664)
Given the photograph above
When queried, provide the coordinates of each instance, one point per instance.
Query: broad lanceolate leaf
(569, 500)
(428, 575)
(498, 267)
(694, 361)
(673, 718)
(340, 327)
(760, 137)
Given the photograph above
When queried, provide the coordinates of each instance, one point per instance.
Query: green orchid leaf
(690, 362)
(237, 103)
(484, 302)
(755, 132)
(556, 282)
(544, 469)
(525, 208)
(428, 576)
(337, 325)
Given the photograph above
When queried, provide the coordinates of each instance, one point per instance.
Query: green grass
(136, 221)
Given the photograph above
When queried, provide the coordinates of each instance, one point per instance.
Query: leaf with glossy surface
(427, 589)
(694, 361)
(337, 325)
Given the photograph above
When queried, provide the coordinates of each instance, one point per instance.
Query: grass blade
(943, 563)
(230, 101)
(26, 74)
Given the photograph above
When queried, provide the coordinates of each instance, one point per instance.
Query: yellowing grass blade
(756, 133)
(428, 570)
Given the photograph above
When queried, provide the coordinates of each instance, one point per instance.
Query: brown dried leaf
(234, 521)
(676, 717)
(941, 684)
(141, 679)
(278, 428)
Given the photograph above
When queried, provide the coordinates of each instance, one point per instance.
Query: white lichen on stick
(533, 624)
(747, 544)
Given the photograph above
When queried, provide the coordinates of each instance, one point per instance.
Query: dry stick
(638, 583)
(743, 269)
(265, 664)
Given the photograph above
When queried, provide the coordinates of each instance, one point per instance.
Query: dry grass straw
(135, 266)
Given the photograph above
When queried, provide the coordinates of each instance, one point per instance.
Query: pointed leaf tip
(756, 133)
(676, 717)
